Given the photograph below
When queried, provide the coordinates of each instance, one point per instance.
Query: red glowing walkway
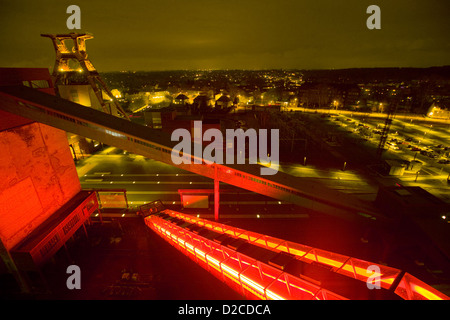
(263, 267)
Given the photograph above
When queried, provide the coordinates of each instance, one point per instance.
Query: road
(147, 180)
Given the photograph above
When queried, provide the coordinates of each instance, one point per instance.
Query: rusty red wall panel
(37, 177)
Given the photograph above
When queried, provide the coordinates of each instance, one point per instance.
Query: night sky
(231, 34)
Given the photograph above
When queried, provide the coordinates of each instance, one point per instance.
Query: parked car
(392, 146)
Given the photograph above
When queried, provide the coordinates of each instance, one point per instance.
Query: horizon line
(278, 69)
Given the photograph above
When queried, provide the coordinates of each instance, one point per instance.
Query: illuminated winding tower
(75, 77)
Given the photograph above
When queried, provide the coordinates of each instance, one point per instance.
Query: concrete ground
(119, 248)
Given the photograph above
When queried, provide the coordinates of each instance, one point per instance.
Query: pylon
(74, 64)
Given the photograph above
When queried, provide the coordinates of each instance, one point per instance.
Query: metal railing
(260, 280)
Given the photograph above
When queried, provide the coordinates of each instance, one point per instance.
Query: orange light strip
(362, 273)
(425, 293)
(347, 267)
(250, 285)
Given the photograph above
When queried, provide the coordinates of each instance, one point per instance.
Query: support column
(216, 195)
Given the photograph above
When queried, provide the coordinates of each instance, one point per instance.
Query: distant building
(325, 95)
(349, 94)
(144, 100)
(223, 103)
(152, 119)
(171, 122)
(181, 99)
(84, 94)
(436, 112)
(202, 103)
(394, 167)
(414, 166)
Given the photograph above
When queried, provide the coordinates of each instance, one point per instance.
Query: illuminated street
(146, 180)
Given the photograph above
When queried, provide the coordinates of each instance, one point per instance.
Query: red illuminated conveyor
(263, 267)
(75, 118)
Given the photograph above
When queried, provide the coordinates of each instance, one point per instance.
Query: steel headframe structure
(72, 62)
(392, 108)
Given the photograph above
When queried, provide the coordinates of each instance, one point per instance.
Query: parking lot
(407, 140)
